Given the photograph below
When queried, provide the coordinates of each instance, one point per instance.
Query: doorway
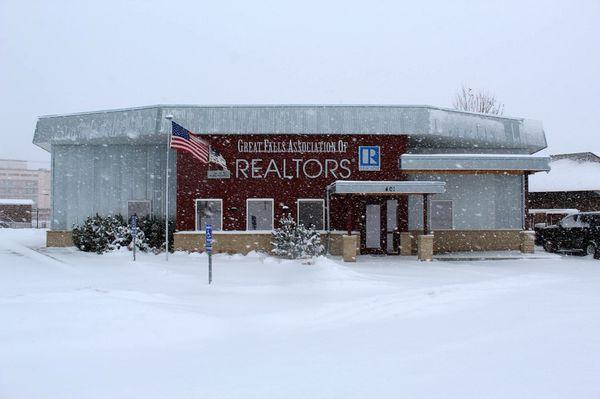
(380, 225)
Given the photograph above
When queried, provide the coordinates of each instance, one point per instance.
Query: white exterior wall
(479, 202)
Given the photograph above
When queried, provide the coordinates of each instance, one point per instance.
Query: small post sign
(208, 248)
(134, 232)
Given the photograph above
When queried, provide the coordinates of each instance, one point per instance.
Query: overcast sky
(542, 59)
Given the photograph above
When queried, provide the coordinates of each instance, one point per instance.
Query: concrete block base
(336, 242)
(425, 247)
(447, 241)
(527, 242)
(406, 244)
(59, 238)
(349, 248)
(223, 242)
(242, 242)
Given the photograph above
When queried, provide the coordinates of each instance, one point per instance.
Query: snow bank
(81, 325)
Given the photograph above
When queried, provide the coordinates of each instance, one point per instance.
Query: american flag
(183, 139)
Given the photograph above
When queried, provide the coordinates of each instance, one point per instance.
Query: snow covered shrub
(284, 238)
(105, 233)
(123, 238)
(98, 233)
(154, 232)
(294, 241)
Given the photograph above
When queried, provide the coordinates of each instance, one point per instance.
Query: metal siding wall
(480, 202)
(89, 179)
(509, 201)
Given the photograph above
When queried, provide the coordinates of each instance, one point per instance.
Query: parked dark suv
(579, 233)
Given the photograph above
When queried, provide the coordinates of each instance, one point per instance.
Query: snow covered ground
(77, 325)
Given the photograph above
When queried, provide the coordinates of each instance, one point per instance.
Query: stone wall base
(473, 240)
(406, 243)
(244, 242)
(336, 244)
(59, 238)
(232, 243)
(350, 248)
(527, 241)
(425, 247)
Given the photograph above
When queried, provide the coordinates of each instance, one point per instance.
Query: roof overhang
(473, 162)
(386, 187)
(425, 126)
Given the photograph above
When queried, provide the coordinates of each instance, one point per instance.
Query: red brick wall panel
(284, 186)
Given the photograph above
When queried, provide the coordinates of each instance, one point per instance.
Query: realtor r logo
(369, 157)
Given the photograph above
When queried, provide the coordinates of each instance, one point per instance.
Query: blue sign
(208, 238)
(134, 224)
(369, 157)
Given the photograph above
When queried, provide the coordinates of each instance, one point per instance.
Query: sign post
(208, 249)
(134, 232)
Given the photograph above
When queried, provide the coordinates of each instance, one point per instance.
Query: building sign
(219, 174)
(275, 159)
(313, 168)
(283, 166)
(292, 146)
(369, 158)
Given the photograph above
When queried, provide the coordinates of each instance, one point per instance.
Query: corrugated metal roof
(425, 123)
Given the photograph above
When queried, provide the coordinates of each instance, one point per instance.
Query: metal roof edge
(163, 106)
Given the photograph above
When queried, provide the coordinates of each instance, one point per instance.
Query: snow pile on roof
(567, 175)
(553, 211)
(10, 201)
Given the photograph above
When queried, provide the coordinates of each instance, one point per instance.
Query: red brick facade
(15, 213)
(285, 168)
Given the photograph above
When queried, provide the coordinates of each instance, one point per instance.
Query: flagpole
(170, 129)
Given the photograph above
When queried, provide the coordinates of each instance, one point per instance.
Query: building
(371, 171)
(15, 213)
(19, 181)
(571, 186)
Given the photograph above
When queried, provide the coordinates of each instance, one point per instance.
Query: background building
(15, 213)
(19, 182)
(573, 184)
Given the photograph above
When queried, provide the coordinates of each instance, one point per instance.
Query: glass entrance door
(373, 226)
(391, 227)
(379, 231)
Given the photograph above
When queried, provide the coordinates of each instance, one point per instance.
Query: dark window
(441, 215)
(209, 211)
(310, 213)
(259, 214)
(140, 208)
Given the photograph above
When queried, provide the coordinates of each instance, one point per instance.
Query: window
(140, 208)
(593, 220)
(583, 221)
(259, 215)
(441, 215)
(209, 211)
(568, 222)
(311, 213)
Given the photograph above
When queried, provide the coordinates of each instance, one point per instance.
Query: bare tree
(468, 99)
